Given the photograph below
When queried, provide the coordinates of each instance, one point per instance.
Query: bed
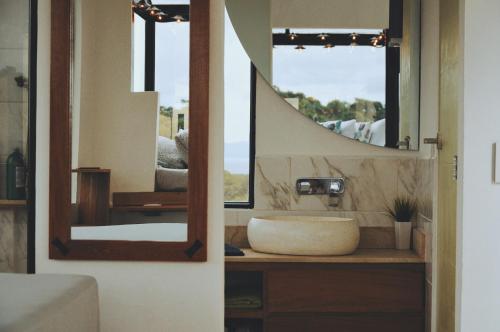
(44, 302)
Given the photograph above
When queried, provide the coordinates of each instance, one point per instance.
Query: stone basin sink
(296, 235)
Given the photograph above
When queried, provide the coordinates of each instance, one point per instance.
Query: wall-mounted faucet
(334, 187)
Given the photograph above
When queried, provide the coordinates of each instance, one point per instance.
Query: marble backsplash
(13, 240)
(371, 184)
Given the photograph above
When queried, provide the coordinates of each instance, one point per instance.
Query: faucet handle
(304, 187)
(336, 186)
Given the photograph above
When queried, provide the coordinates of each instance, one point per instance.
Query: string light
(329, 45)
(354, 39)
(292, 36)
(153, 10)
(378, 41)
(322, 36)
(178, 18)
(161, 16)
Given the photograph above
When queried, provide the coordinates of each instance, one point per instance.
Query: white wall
(250, 19)
(338, 14)
(139, 296)
(478, 244)
(115, 123)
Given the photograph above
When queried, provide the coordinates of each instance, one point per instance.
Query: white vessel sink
(296, 235)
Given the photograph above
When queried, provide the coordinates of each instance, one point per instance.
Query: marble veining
(13, 241)
(273, 189)
(425, 188)
(370, 183)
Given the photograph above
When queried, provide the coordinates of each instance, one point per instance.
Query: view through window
(237, 119)
(331, 85)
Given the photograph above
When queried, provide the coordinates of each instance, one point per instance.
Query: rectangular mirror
(129, 129)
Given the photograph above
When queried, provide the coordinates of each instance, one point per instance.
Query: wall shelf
(12, 204)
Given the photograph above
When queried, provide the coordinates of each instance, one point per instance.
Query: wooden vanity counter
(371, 290)
(361, 256)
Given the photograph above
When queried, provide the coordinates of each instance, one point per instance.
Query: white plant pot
(403, 235)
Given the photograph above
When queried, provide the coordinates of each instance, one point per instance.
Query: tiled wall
(14, 41)
(14, 60)
(13, 232)
(371, 184)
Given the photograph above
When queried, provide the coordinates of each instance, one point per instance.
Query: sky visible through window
(237, 103)
(172, 47)
(237, 90)
(342, 72)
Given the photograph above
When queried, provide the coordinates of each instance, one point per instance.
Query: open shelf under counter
(360, 256)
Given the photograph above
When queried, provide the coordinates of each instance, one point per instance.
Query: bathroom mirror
(129, 126)
(351, 66)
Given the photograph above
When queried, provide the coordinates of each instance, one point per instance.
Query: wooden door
(450, 78)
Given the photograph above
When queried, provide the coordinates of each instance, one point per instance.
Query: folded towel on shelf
(243, 301)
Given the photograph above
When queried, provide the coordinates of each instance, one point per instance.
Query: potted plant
(402, 210)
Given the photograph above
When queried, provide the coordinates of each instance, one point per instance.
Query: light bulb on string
(300, 48)
(178, 18)
(153, 10)
(354, 39)
(322, 36)
(161, 16)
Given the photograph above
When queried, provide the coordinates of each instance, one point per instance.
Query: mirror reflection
(130, 120)
(352, 66)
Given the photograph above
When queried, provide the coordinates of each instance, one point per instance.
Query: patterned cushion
(182, 142)
(168, 155)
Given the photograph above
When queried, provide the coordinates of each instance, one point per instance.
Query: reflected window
(161, 62)
(239, 105)
(335, 77)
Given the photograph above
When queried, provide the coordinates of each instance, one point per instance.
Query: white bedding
(48, 303)
(161, 232)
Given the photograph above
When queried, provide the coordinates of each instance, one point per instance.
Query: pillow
(182, 142)
(168, 156)
(363, 132)
(171, 179)
(348, 128)
(378, 133)
(330, 124)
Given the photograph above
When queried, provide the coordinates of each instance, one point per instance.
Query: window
(239, 126)
(156, 47)
(180, 122)
(161, 62)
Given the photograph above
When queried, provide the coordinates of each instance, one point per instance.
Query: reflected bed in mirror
(351, 66)
(137, 121)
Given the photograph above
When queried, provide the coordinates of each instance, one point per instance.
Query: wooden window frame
(61, 246)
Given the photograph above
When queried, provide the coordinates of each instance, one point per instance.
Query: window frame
(251, 169)
(150, 39)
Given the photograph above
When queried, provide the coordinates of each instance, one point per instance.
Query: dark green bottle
(16, 176)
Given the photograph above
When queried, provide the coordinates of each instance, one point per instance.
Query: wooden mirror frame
(61, 246)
